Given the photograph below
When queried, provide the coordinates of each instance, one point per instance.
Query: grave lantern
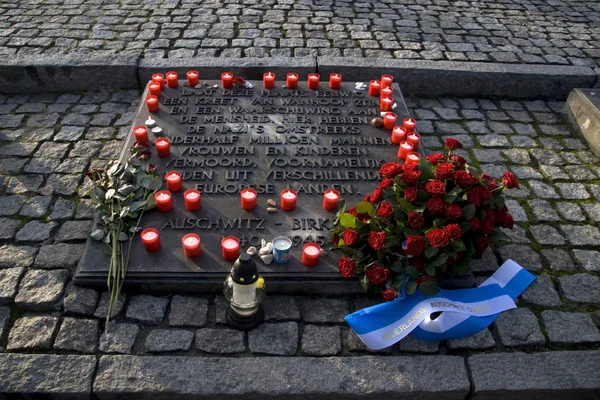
(244, 289)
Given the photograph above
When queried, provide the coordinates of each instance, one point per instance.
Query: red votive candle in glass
(288, 199)
(385, 104)
(386, 92)
(193, 77)
(191, 198)
(313, 81)
(154, 89)
(413, 138)
(152, 103)
(404, 149)
(386, 80)
(389, 120)
(150, 239)
(248, 199)
(374, 88)
(335, 81)
(140, 133)
(191, 245)
(291, 81)
(412, 158)
(172, 79)
(230, 248)
(174, 181)
(310, 254)
(163, 147)
(409, 124)
(160, 79)
(163, 200)
(398, 134)
(269, 80)
(227, 80)
(330, 199)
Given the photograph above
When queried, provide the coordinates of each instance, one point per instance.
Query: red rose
(336, 239)
(454, 232)
(377, 275)
(352, 210)
(508, 222)
(435, 158)
(483, 192)
(453, 144)
(410, 193)
(377, 195)
(416, 220)
(411, 177)
(510, 180)
(411, 167)
(391, 169)
(438, 237)
(487, 226)
(415, 245)
(425, 278)
(453, 211)
(367, 198)
(492, 185)
(351, 237)
(389, 294)
(385, 211)
(376, 240)
(464, 179)
(436, 187)
(481, 243)
(347, 266)
(417, 262)
(473, 198)
(386, 183)
(435, 205)
(450, 261)
(458, 160)
(474, 223)
(444, 171)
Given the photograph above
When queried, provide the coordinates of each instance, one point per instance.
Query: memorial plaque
(223, 141)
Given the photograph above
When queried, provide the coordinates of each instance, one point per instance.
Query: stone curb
(452, 78)
(38, 74)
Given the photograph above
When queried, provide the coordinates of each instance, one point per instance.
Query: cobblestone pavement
(505, 31)
(48, 141)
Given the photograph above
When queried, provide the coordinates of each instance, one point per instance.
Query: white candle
(406, 146)
(248, 195)
(312, 250)
(173, 177)
(191, 241)
(412, 136)
(282, 244)
(192, 196)
(332, 196)
(161, 143)
(289, 195)
(227, 76)
(193, 74)
(150, 122)
(230, 244)
(157, 130)
(171, 75)
(163, 197)
(150, 235)
(413, 157)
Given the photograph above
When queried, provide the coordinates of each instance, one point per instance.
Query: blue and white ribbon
(464, 311)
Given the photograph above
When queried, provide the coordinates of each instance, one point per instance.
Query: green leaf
(364, 283)
(438, 222)
(364, 207)
(469, 211)
(126, 190)
(426, 169)
(348, 250)
(156, 183)
(457, 244)
(450, 198)
(465, 227)
(97, 234)
(474, 171)
(406, 205)
(348, 220)
(430, 270)
(413, 272)
(497, 236)
(124, 212)
(123, 237)
(430, 252)
(145, 183)
(389, 195)
(411, 287)
(397, 267)
(150, 201)
(439, 260)
(429, 288)
(397, 282)
(110, 193)
(342, 205)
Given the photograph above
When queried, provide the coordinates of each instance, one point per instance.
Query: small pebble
(263, 243)
(377, 122)
(272, 203)
(271, 209)
(267, 259)
(268, 249)
(252, 250)
(215, 86)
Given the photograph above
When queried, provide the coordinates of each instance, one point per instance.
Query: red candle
(310, 254)
(227, 80)
(152, 103)
(404, 149)
(140, 133)
(163, 200)
(248, 199)
(191, 198)
(389, 120)
(374, 88)
(160, 79)
(191, 245)
(193, 78)
(409, 124)
(288, 199)
(412, 158)
(172, 79)
(330, 199)
(163, 148)
(154, 89)
(413, 138)
(335, 81)
(151, 240)
(386, 92)
(313, 81)
(291, 81)
(230, 248)
(269, 80)
(386, 80)
(385, 104)
(398, 134)
(174, 181)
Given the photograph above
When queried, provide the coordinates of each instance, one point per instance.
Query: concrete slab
(583, 112)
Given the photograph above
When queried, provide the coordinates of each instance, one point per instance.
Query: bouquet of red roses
(422, 225)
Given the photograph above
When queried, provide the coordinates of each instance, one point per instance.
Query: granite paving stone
(36, 207)
(480, 341)
(80, 300)
(4, 320)
(220, 341)
(8, 228)
(102, 309)
(119, 338)
(32, 332)
(17, 256)
(9, 283)
(274, 339)
(581, 235)
(519, 327)
(74, 230)
(589, 260)
(42, 290)
(59, 255)
(79, 335)
(165, 340)
(35, 231)
(567, 328)
(542, 293)
(580, 288)
(324, 310)
(188, 311)
(281, 308)
(523, 255)
(411, 345)
(558, 259)
(149, 310)
(546, 235)
(321, 340)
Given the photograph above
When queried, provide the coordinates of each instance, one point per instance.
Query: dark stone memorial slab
(225, 140)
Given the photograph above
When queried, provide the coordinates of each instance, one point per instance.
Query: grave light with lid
(244, 289)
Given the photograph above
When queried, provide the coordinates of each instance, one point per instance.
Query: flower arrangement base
(244, 323)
